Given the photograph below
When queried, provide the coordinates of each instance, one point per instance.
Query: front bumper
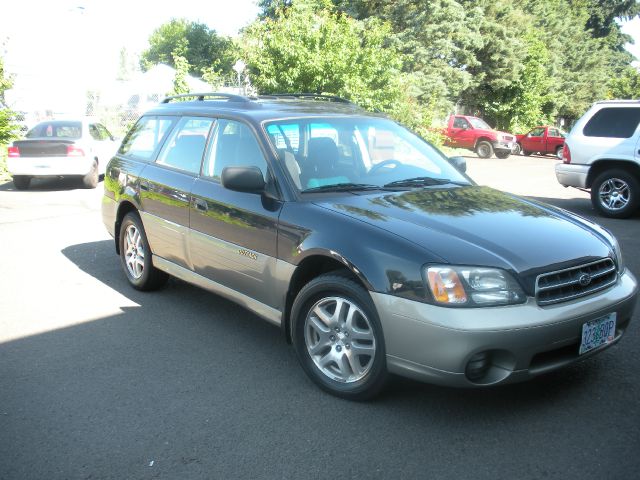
(435, 344)
(49, 166)
(571, 175)
(499, 145)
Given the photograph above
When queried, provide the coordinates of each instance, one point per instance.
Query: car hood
(474, 225)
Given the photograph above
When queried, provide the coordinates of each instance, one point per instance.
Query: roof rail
(209, 96)
(307, 96)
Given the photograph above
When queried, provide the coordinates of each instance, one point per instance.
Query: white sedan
(62, 148)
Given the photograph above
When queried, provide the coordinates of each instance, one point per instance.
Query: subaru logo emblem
(584, 279)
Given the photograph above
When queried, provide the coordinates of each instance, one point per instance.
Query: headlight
(472, 286)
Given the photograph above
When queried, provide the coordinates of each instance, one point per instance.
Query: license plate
(598, 332)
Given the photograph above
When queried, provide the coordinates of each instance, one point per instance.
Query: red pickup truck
(543, 139)
(473, 133)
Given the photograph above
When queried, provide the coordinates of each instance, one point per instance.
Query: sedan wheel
(615, 193)
(338, 337)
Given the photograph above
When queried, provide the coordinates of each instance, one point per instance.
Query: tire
(325, 348)
(615, 193)
(484, 149)
(517, 149)
(503, 154)
(21, 182)
(90, 180)
(559, 153)
(135, 255)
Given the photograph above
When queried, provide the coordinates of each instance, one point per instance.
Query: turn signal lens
(446, 286)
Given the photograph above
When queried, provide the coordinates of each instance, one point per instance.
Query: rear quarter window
(145, 136)
(613, 123)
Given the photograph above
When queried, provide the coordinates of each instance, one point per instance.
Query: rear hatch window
(56, 129)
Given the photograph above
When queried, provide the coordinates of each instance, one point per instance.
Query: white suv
(602, 153)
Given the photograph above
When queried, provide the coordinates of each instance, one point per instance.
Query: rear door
(233, 235)
(165, 187)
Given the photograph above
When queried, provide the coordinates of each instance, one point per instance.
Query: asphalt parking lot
(100, 381)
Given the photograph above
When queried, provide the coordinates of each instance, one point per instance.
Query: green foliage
(201, 47)
(180, 85)
(625, 86)
(8, 126)
(306, 49)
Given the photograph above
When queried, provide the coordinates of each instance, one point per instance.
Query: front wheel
(484, 149)
(338, 337)
(517, 149)
(503, 154)
(615, 193)
(21, 182)
(135, 255)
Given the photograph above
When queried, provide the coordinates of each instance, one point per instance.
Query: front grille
(575, 282)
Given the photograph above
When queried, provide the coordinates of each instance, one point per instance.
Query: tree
(318, 50)
(8, 127)
(625, 86)
(203, 48)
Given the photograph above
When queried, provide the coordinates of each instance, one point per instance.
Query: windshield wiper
(343, 187)
(423, 182)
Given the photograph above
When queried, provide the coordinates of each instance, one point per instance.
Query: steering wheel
(386, 163)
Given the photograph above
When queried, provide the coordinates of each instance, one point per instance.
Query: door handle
(201, 204)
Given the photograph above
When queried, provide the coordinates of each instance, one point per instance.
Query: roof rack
(306, 96)
(208, 96)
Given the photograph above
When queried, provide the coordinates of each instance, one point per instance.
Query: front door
(233, 235)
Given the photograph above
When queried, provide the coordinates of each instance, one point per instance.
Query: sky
(71, 46)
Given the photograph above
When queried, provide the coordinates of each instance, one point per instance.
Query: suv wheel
(614, 193)
(484, 149)
(21, 182)
(135, 255)
(338, 337)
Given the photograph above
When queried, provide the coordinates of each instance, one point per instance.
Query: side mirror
(460, 163)
(243, 179)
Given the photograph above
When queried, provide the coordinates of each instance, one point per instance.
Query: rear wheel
(135, 255)
(338, 337)
(90, 180)
(615, 193)
(484, 149)
(21, 182)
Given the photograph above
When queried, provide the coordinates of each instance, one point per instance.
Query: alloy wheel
(614, 194)
(340, 339)
(134, 251)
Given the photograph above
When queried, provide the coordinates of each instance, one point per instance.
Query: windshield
(479, 123)
(368, 152)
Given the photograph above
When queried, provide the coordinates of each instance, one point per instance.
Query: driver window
(234, 144)
(459, 122)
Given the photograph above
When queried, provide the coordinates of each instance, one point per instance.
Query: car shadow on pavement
(200, 385)
(46, 185)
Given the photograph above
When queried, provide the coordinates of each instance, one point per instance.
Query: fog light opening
(478, 366)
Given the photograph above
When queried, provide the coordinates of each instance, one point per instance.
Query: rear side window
(185, 147)
(145, 136)
(613, 123)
